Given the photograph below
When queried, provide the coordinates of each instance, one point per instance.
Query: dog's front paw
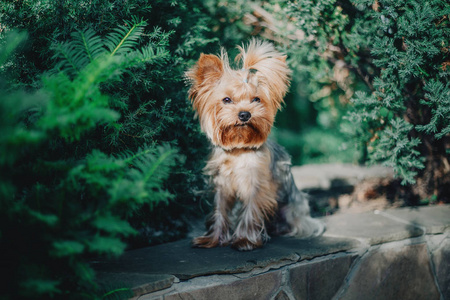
(205, 242)
(243, 244)
(210, 241)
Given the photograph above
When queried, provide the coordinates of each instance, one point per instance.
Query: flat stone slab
(140, 283)
(371, 227)
(183, 261)
(435, 218)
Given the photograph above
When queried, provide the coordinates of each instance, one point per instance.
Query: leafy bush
(387, 63)
(406, 111)
(59, 209)
(63, 200)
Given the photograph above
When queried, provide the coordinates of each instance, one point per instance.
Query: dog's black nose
(244, 116)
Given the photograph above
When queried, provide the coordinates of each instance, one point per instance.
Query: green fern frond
(125, 37)
(86, 46)
(90, 42)
(70, 59)
(145, 55)
(76, 54)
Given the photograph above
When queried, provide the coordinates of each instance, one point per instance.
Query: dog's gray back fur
(293, 216)
(281, 171)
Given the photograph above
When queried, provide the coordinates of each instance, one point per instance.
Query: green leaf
(125, 37)
(113, 225)
(84, 271)
(106, 245)
(67, 248)
(48, 219)
(91, 43)
(41, 286)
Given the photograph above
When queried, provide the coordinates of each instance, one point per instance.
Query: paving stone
(320, 280)
(441, 261)
(257, 287)
(139, 283)
(183, 261)
(435, 218)
(373, 228)
(393, 273)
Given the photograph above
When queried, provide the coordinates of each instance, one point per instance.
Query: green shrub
(63, 200)
(379, 69)
(406, 114)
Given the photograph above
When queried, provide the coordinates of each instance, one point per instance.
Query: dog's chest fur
(240, 172)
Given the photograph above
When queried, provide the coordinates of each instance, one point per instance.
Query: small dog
(236, 110)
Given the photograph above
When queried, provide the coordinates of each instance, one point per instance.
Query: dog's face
(237, 108)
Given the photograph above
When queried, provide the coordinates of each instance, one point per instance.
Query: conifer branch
(124, 39)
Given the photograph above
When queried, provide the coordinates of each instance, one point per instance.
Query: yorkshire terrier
(236, 110)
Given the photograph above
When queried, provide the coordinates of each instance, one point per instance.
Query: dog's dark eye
(227, 100)
(256, 99)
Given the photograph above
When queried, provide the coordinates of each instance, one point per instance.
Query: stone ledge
(357, 254)
(184, 262)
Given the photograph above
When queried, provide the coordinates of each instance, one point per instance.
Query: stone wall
(416, 268)
(393, 254)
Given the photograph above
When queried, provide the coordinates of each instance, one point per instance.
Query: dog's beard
(243, 135)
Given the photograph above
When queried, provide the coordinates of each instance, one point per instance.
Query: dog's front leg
(250, 232)
(218, 233)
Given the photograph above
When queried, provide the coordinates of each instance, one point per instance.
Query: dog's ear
(209, 68)
(207, 71)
